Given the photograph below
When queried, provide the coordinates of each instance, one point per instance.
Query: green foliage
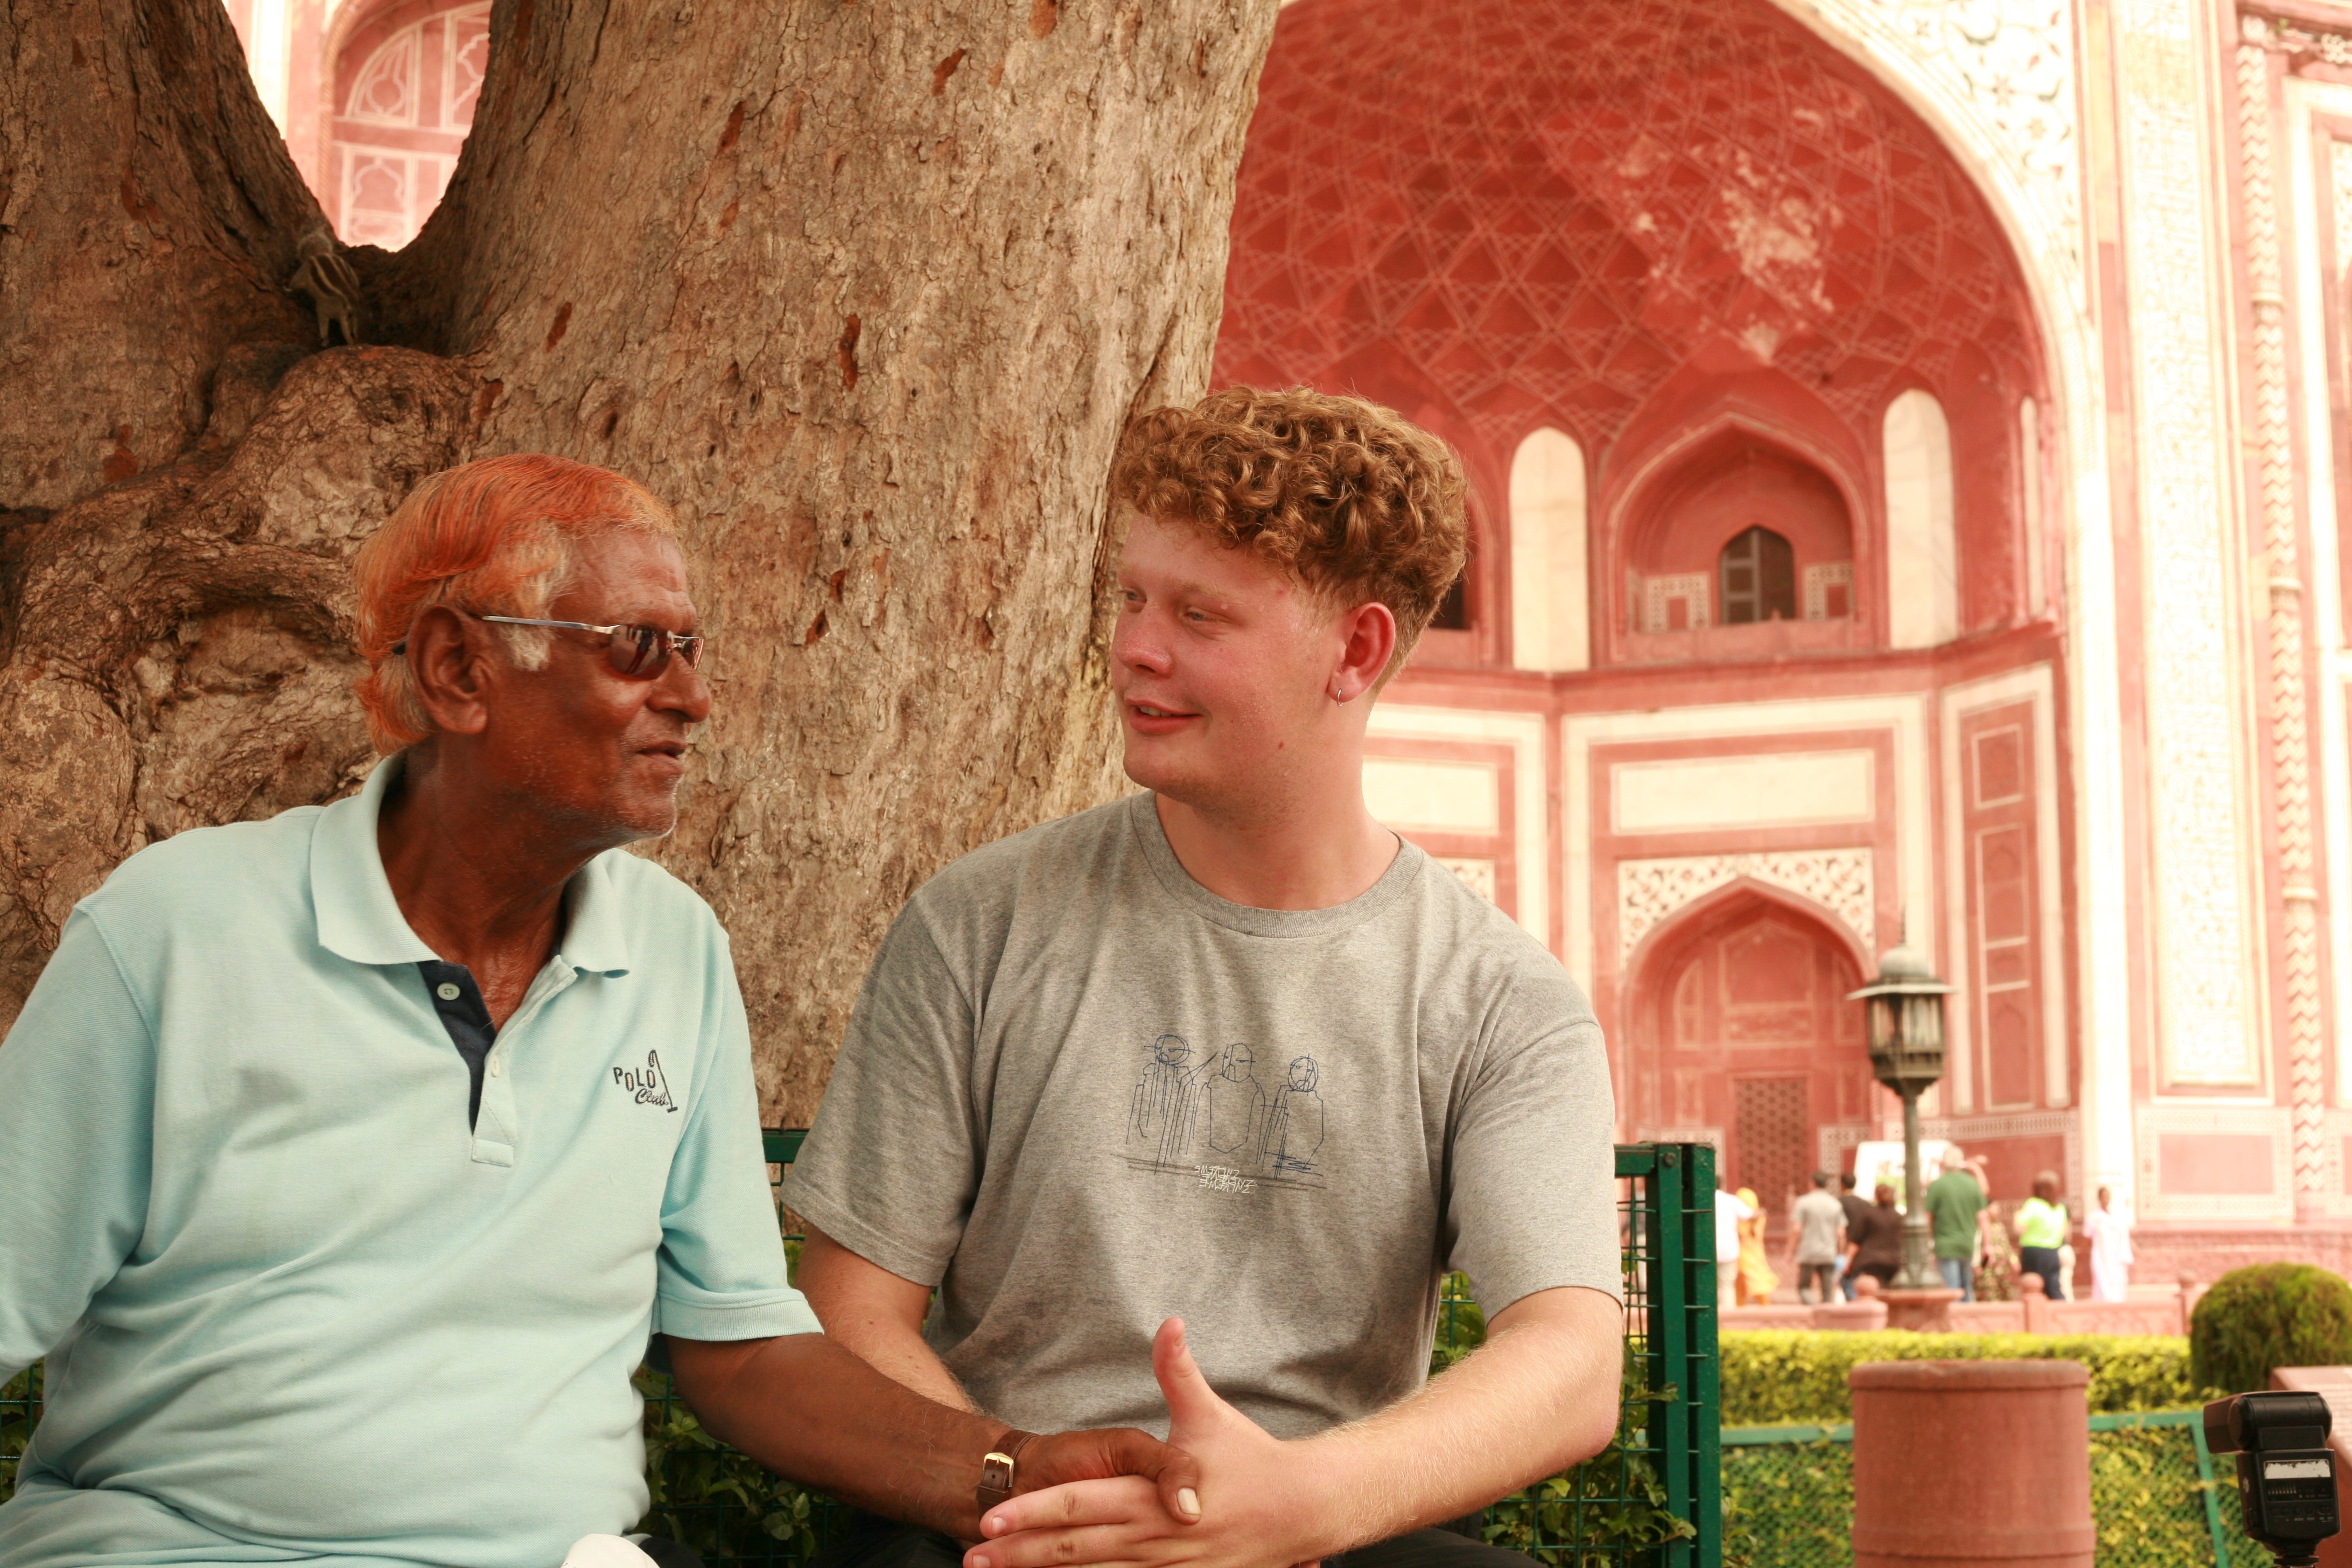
(1774, 1377)
(2269, 1315)
(705, 1495)
(1789, 1502)
(1611, 1501)
(19, 1397)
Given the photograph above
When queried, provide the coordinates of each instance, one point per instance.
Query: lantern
(1906, 1020)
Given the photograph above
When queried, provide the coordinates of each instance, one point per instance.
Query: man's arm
(812, 1412)
(78, 1078)
(1540, 1395)
(880, 1316)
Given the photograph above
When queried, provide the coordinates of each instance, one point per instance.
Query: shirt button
(445, 990)
(494, 1067)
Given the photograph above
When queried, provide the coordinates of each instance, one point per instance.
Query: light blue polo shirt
(294, 1310)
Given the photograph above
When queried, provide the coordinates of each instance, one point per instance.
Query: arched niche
(1550, 599)
(1923, 579)
(1740, 1030)
(403, 86)
(1737, 544)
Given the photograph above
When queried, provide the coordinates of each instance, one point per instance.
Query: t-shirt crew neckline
(1143, 817)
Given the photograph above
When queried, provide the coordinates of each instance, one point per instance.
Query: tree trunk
(865, 289)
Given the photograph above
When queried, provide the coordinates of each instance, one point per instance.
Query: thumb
(1193, 1407)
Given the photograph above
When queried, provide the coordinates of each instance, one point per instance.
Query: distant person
(1875, 1248)
(1956, 1217)
(1817, 1238)
(1756, 1281)
(2041, 1226)
(2111, 1249)
(1731, 1211)
(1855, 1206)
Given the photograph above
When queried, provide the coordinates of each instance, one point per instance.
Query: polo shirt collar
(361, 920)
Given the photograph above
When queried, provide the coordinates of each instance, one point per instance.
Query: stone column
(1959, 1464)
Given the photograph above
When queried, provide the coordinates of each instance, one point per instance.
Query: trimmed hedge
(1775, 1377)
(2269, 1315)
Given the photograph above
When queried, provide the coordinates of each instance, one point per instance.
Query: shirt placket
(498, 1129)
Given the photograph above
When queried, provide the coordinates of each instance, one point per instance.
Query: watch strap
(999, 1468)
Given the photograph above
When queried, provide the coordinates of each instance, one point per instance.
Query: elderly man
(352, 1158)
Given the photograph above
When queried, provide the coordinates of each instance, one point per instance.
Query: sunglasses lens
(638, 650)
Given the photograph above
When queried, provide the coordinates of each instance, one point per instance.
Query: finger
(1176, 1473)
(1123, 1499)
(1101, 1545)
(1192, 1405)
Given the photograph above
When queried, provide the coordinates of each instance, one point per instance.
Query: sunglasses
(639, 652)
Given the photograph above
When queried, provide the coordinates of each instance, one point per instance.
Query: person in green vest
(2042, 1225)
(1956, 1216)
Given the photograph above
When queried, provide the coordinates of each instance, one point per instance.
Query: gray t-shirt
(1818, 1218)
(1081, 1093)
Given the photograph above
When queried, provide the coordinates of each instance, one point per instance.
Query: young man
(352, 1158)
(1957, 1221)
(1229, 1050)
(1817, 1238)
(1855, 1206)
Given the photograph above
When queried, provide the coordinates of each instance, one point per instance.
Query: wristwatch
(996, 1468)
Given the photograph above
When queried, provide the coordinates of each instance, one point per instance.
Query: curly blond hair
(1352, 500)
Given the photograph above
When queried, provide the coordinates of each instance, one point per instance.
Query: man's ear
(1368, 640)
(454, 667)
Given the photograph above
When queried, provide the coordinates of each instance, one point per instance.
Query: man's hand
(813, 1413)
(1538, 1396)
(1261, 1501)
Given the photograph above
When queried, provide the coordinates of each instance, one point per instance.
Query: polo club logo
(647, 1084)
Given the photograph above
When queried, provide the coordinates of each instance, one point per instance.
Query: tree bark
(865, 289)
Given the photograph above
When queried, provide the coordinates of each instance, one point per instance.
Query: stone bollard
(1970, 1464)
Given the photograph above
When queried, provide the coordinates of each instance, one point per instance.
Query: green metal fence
(1652, 1500)
(2157, 1496)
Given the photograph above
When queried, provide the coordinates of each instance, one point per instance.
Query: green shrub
(1774, 1377)
(2269, 1315)
(18, 1396)
(721, 1502)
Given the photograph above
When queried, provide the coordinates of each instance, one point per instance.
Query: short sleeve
(721, 1275)
(78, 1080)
(1533, 1200)
(890, 1167)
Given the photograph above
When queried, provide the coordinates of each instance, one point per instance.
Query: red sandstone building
(1905, 437)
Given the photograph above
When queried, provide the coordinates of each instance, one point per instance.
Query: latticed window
(1756, 578)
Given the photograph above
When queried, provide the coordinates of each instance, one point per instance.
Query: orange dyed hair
(1352, 498)
(494, 536)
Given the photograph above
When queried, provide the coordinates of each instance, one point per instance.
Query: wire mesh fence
(1650, 1500)
(2159, 1499)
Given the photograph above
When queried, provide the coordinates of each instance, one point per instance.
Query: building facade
(1906, 440)
(1905, 435)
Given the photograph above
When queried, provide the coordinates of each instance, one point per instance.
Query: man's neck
(1275, 857)
(479, 883)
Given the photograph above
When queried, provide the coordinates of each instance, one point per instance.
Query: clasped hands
(1258, 1504)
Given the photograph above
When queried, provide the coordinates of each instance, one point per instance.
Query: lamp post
(1905, 1005)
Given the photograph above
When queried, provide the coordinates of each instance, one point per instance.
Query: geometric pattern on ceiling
(1538, 211)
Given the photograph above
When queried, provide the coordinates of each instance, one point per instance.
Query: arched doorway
(1742, 1027)
(406, 78)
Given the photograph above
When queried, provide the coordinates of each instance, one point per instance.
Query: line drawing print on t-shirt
(1295, 1124)
(1162, 1094)
(1233, 1108)
(1214, 1122)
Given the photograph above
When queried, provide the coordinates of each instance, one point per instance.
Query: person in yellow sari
(1757, 1280)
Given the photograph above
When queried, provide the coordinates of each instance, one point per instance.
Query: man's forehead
(625, 575)
(1185, 559)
